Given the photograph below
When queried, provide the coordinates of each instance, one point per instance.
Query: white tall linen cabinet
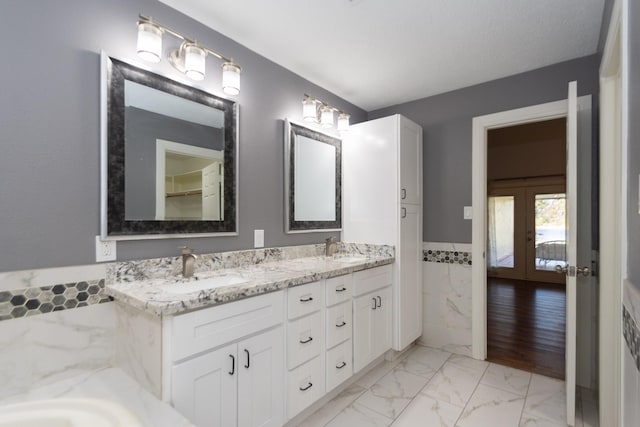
(382, 182)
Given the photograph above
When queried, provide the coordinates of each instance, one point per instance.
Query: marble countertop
(152, 294)
(110, 384)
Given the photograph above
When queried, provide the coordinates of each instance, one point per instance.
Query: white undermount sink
(67, 413)
(349, 258)
(204, 284)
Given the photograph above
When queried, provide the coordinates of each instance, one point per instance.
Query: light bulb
(194, 61)
(326, 117)
(149, 42)
(343, 122)
(231, 78)
(309, 110)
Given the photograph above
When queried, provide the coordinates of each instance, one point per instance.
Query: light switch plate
(258, 238)
(105, 250)
(468, 212)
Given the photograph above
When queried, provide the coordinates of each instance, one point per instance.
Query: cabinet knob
(233, 364)
(375, 303)
(404, 194)
(379, 301)
(248, 359)
(404, 212)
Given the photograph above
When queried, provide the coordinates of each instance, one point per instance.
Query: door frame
(481, 125)
(613, 193)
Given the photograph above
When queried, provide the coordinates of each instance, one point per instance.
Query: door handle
(375, 303)
(341, 324)
(404, 194)
(306, 299)
(309, 385)
(342, 365)
(306, 341)
(342, 289)
(379, 301)
(404, 212)
(233, 364)
(585, 271)
(248, 359)
(561, 270)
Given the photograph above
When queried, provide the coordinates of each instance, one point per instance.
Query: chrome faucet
(330, 247)
(188, 261)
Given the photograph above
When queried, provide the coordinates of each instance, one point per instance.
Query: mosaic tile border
(447, 257)
(32, 301)
(631, 335)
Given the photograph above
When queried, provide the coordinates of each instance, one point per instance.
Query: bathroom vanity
(289, 326)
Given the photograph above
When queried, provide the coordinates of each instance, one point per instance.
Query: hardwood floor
(526, 325)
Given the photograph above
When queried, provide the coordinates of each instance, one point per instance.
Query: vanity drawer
(304, 339)
(370, 280)
(205, 329)
(305, 385)
(339, 364)
(339, 323)
(338, 289)
(303, 299)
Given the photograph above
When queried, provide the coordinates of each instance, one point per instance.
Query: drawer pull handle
(342, 365)
(306, 341)
(342, 289)
(307, 387)
(233, 364)
(375, 303)
(306, 299)
(379, 301)
(248, 359)
(341, 324)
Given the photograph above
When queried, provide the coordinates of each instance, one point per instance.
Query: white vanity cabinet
(305, 346)
(372, 309)
(224, 365)
(339, 330)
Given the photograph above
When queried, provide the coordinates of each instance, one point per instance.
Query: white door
(382, 321)
(363, 331)
(572, 251)
(204, 389)
(409, 280)
(410, 162)
(260, 380)
(210, 192)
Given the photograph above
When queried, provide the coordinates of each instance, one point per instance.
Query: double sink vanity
(253, 337)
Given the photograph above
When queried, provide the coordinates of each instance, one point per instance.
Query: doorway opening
(526, 244)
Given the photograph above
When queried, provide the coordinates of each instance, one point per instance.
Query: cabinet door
(204, 389)
(260, 380)
(382, 322)
(363, 332)
(409, 287)
(410, 162)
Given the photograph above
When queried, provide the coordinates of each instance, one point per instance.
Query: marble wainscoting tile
(42, 349)
(423, 361)
(447, 307)
(392, 393)
(507, 379)
(546, 400)
(490, 406)
(138, 348)
(336, 405)
(425, 411)
(48, 276)
(456, 380)
(356, 415)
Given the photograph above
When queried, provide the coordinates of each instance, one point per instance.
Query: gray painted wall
(50, 130)
(142, 129)
(446, 122)
(633, 159)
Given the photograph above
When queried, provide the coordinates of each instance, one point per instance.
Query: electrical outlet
(258, 238)
(468, 212)
(105, 250)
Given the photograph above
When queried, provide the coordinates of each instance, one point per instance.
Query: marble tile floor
(432, 388)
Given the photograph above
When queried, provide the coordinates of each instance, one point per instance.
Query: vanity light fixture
(317, 111)
(189, 58)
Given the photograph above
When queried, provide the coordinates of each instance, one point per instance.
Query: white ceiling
(376, 53)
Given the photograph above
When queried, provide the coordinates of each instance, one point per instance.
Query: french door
(527, 229)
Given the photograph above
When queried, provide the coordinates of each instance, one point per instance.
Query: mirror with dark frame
(169, 161)
(313, 184)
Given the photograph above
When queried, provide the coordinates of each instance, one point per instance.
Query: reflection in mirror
(312, 180)
(171, 159)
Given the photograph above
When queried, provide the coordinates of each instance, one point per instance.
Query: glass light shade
(309, 110)
(231, 78)
(343, 121)
(149, 42)
(194, 61)
(326, 117)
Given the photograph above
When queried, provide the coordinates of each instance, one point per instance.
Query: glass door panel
(501, 232)
(550, 231)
